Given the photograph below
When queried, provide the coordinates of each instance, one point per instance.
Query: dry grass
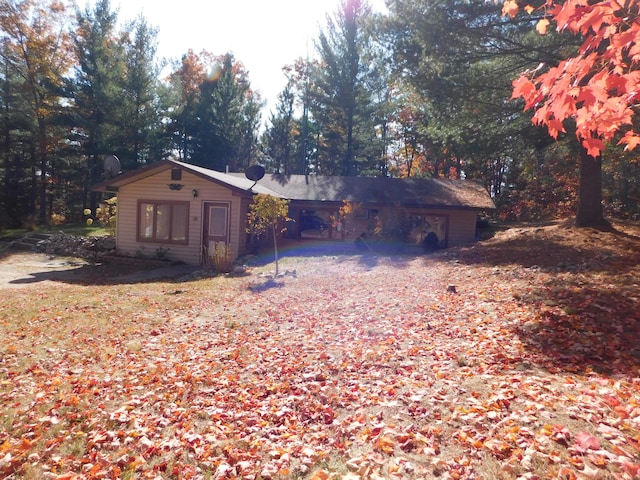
(223, 257)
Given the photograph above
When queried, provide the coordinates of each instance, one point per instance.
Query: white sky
(264, 35)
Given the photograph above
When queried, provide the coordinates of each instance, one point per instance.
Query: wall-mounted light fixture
(175, 186)
(194, 192)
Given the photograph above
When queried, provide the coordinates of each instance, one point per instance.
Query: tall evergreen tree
(18, 194)
(228, 117)
(99, 84)
(142, 126)
(379, 83)
(341, 102)
(289, 139)
(279, 139)
(459, 58)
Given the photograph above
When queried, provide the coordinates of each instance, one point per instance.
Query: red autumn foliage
(598, 87)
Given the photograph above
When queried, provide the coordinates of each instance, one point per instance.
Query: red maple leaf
(594, 146)
(584, 441)
(630, 139)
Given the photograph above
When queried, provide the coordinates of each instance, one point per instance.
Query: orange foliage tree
(596, 91)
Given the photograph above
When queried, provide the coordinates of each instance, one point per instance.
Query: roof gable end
(241, 184)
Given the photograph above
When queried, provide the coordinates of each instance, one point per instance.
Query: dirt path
(19, 269)
(24, 269)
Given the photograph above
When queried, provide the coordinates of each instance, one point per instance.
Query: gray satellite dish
(254, 173)
(111, 166)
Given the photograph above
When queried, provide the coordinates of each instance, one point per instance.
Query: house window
(163, 222)
(176, 174)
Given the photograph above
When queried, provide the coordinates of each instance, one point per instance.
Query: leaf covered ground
(356, 366)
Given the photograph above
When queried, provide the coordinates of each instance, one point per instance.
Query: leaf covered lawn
(356, 367)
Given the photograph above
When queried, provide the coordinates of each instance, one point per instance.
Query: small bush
(58, 219)
(222, 257)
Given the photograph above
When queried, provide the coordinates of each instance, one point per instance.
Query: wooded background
(423, 90)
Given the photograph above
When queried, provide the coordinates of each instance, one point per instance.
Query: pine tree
(341, 101)
(99, 82)
(142, 125)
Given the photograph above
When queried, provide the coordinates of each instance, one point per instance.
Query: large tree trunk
(590, 192)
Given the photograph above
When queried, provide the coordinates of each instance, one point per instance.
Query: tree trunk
(590, 191)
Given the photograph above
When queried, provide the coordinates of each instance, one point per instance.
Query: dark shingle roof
(430, 192)
(404, 191)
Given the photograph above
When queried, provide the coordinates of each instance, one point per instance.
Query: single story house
(178, 210)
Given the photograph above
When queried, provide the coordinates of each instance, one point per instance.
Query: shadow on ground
(583, 284)
(396, 255)
(27, 269)
(587, 322)
(590, 330)
(559, 246)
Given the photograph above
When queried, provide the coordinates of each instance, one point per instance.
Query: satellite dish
(254, 172)
(111, 166)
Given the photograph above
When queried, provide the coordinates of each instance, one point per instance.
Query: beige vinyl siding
(461, 225)
(155, 188)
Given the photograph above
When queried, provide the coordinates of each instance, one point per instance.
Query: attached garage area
(409, 227)
(442, 213)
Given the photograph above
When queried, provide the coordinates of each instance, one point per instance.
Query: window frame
(154, 222)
